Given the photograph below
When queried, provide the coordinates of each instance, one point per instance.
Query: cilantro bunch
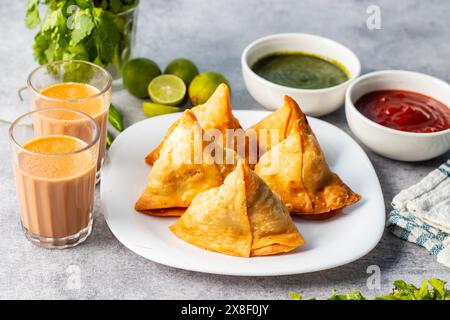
(92, 30)
(401, 291)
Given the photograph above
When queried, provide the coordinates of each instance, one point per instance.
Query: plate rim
(255, 272)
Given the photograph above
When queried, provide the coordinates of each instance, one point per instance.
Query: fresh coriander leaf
(101, 4)
(400, 285)
(83, 25)
(335, 296)
(295, 296)
(405, 288)
(129, 2)
(52, 52)
(438, 286)
(423, 293)
(41, 43)
(75, 72)
(107, 36)
(55, 4)
(401, 291)
(32, 18)
(387, 297)
(354, 295)
(84, 4)
(54, 20)
(116, 6)
(98, 35)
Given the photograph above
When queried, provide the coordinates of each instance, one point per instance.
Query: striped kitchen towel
(421, 214)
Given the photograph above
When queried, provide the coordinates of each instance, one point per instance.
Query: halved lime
(153, 109)
(167, 89)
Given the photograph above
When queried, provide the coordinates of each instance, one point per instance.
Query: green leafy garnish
(401, 291)
(109, 139)
(295, 296)
(80, 29)
(32, 19)
(115, 118)
(354, 295)
(439, 288)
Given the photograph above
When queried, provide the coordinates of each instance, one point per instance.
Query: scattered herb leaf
(115, 118)
(401, 291)
(295, 296)
(109, 139)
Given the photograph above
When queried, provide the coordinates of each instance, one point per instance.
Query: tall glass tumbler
(77, 85)
(55, 176)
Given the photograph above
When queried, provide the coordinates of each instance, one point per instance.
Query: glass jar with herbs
(99, 31)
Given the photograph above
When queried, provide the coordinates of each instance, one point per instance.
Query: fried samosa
(274, 128)
(214, 114)
(183, 169)
(242, 217)
(297, 171)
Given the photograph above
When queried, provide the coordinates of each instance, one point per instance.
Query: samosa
(297, 171)
(272, 129)
(183, 169)
(242, 217)
(215, 114)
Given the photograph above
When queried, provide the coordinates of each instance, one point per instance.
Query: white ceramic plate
(329, 243)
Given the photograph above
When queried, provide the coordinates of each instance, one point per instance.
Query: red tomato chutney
(405, 111)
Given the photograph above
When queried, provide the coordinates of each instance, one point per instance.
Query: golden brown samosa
(242, 217)
(216, 114)
(183, 169)
(297, 171)
(280, 121)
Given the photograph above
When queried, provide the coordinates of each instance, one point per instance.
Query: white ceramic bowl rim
(379, 126)
(286, 35)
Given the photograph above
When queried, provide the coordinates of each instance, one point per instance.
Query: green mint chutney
(300, 70)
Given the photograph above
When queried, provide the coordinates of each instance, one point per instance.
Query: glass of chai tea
(73, 84)
(55, 175)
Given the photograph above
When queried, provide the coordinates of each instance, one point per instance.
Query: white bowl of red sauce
(402, 115)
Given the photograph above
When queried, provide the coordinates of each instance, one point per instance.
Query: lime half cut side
(167, 89)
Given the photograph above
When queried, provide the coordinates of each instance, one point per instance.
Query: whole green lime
(203, 86)
(182, 68)
(137, 74)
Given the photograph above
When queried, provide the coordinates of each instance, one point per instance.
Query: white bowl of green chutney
(313, 70)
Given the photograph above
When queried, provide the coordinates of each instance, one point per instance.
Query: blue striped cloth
(421, 214)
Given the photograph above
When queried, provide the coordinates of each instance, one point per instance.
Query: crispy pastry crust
(216, 113)
(175, 178)
(281, 120)
(242, 217)
(302, 177)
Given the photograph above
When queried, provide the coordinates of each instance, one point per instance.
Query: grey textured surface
(414, 36)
